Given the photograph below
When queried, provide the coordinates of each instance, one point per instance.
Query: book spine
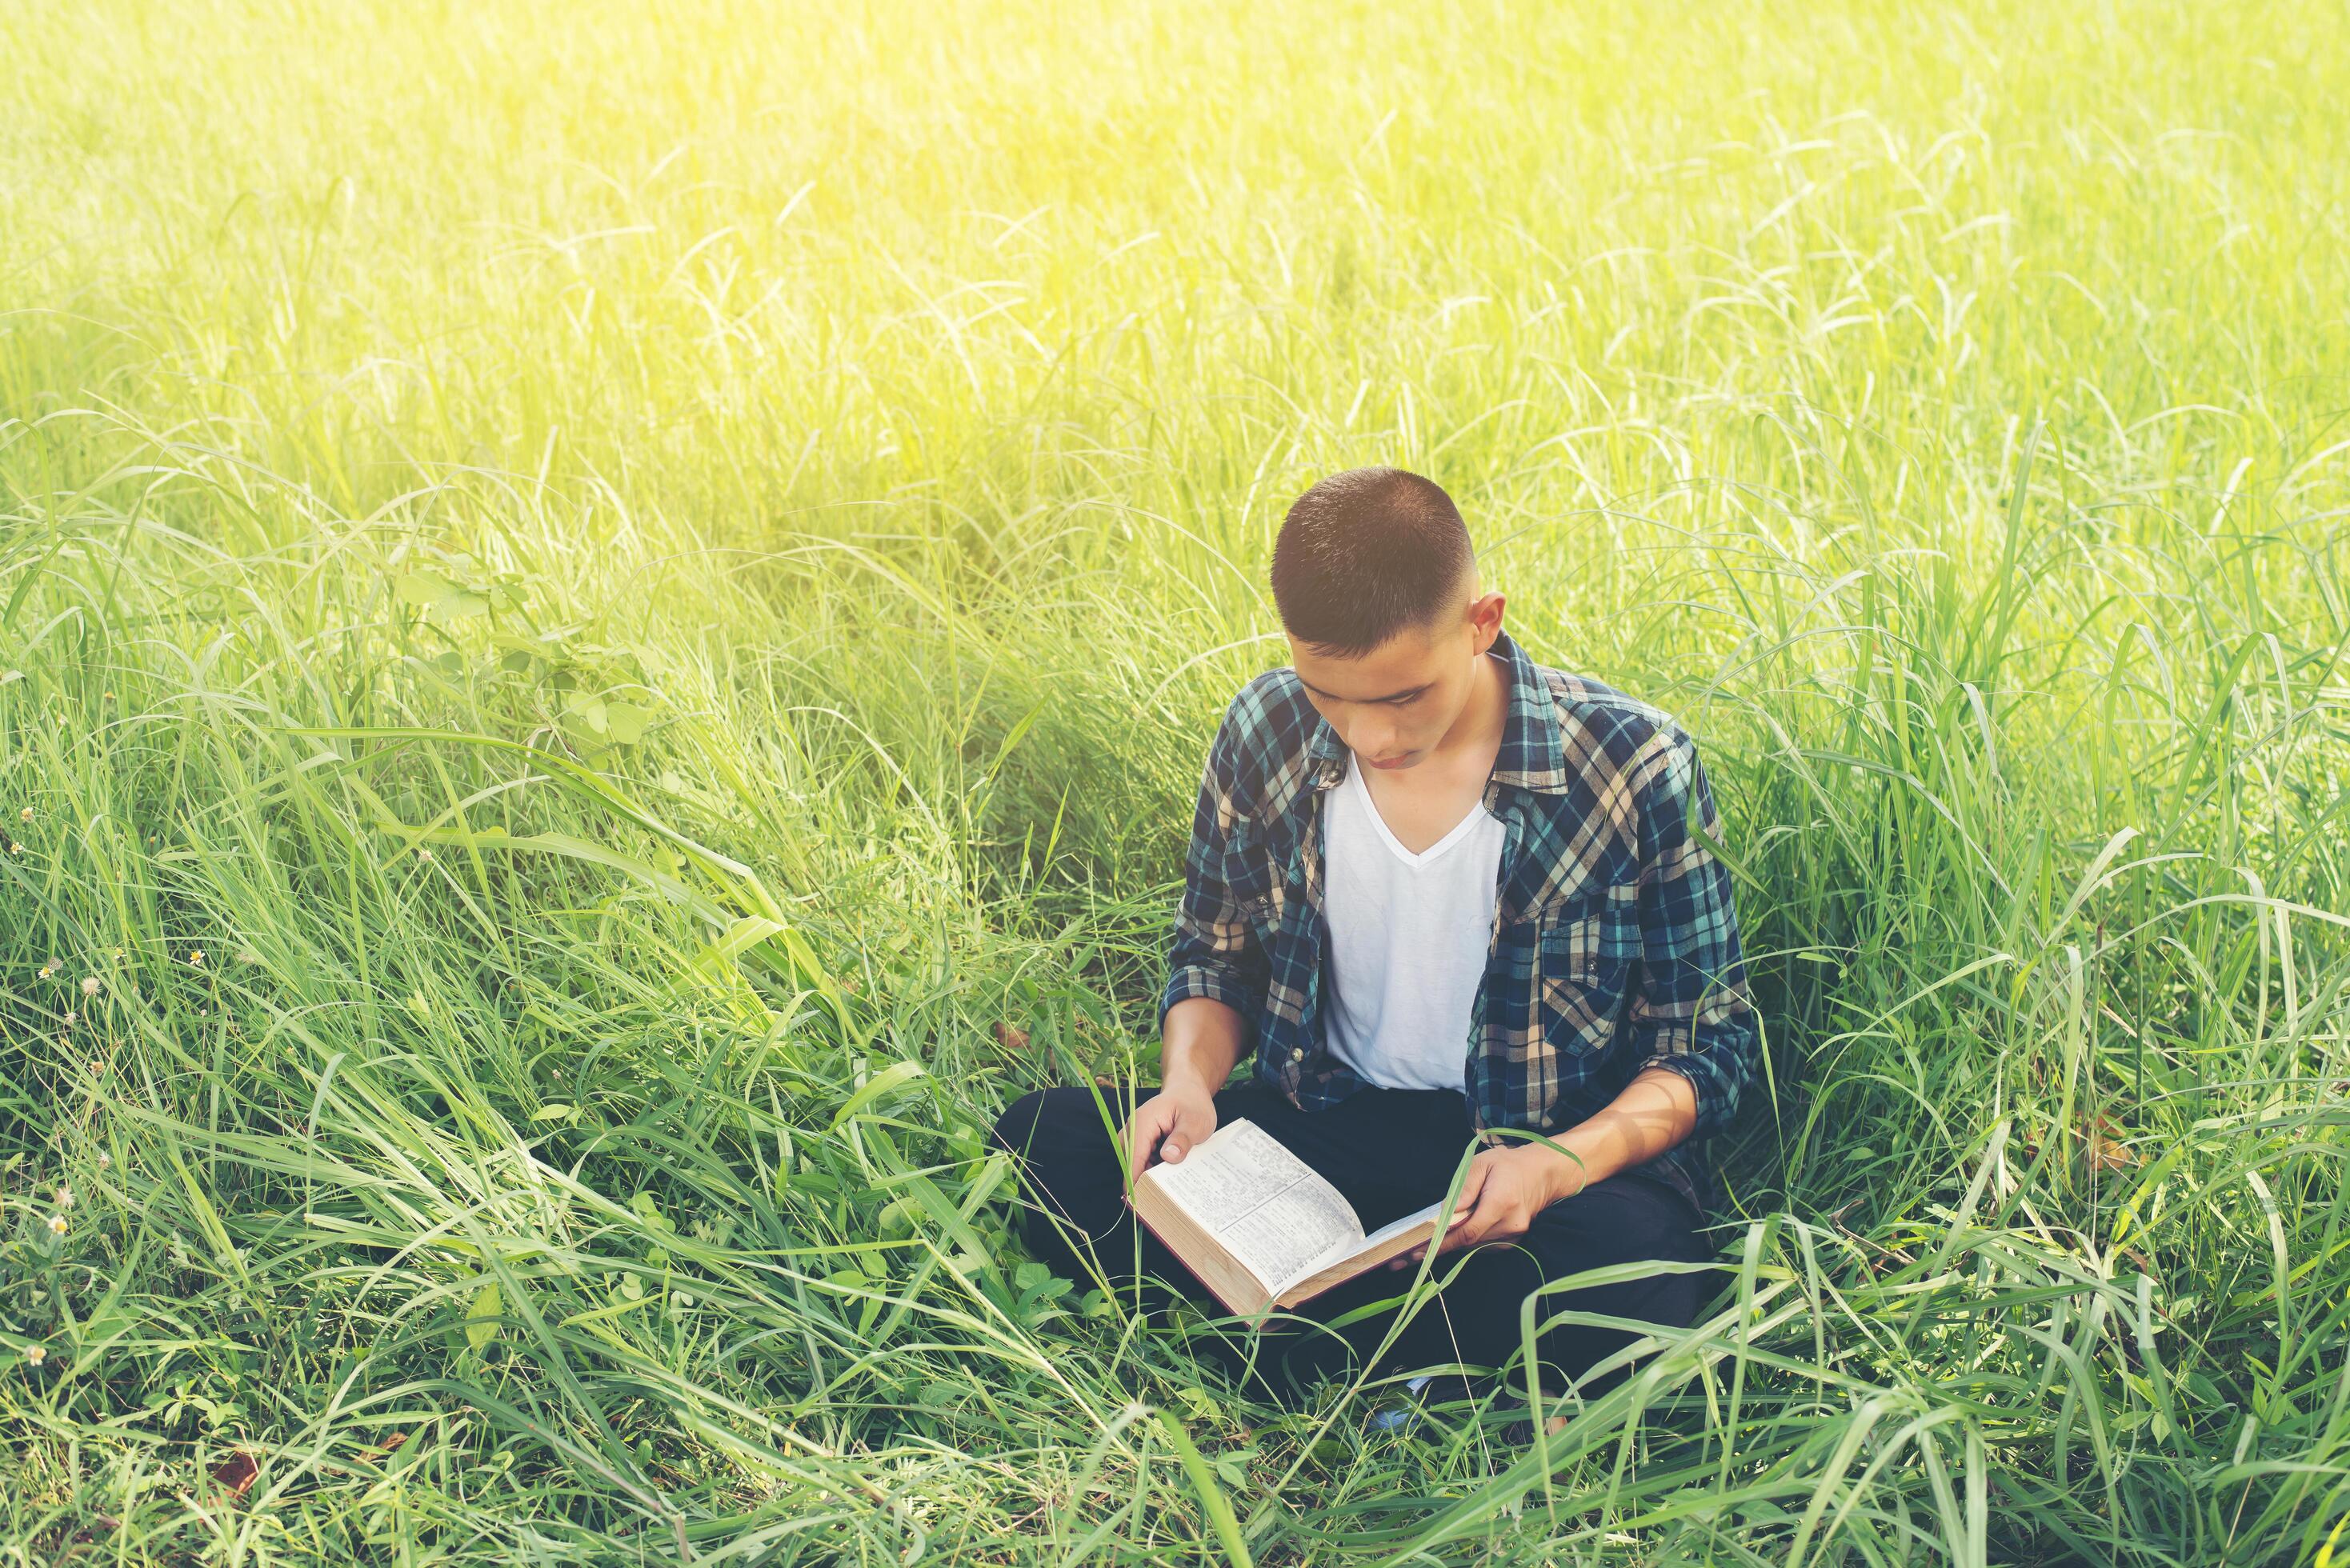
(1222, 1299)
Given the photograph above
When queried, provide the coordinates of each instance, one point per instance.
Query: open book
(1259, 1227)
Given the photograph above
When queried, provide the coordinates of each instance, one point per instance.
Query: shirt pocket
(1581, 961)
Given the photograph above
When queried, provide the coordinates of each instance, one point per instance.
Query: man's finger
(1142, 1148)
(1464, 1211)
(1472, 1225)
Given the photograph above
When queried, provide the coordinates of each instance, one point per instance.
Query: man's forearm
(1656, 1111)
(1201, 1042)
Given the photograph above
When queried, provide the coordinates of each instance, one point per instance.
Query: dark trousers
(1389, 1152)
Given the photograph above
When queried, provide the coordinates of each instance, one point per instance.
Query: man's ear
(1485, 621)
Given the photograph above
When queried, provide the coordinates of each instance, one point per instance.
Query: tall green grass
(608, 619)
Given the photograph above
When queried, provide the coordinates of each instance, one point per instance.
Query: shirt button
(1295, 1054)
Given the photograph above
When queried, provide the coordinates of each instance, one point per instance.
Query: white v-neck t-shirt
(1408, 937)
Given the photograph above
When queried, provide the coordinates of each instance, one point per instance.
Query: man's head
(1378, 589)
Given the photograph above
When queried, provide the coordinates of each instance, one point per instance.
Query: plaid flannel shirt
(1614, 946)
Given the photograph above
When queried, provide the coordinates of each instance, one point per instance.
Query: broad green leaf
(440, 598)
(874, 1087)
(481, 1317)
(625, 721)
(420, 587)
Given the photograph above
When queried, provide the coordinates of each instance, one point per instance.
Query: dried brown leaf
(2107, 1151)
(2105, 1154)
(236, 1472)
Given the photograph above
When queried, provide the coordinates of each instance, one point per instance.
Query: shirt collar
(1533, 753)
(1530, 754)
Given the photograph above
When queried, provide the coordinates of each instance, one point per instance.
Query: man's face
(1393, 704)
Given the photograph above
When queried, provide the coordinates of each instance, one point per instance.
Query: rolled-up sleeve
(1692, 1012)
(1215, 952)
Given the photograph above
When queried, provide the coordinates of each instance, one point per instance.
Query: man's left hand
(1504, 1191)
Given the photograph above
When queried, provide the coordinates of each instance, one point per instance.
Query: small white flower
(89, 984)
(196, 959)
(48, 968)
(70, 1018)
(35, 1353)
(64, 1196)
(104, 1160)
(56, 1224)
(26, 814)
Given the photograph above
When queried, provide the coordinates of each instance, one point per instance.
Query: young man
(1438, 893)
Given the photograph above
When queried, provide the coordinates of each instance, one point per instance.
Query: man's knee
(1614, 1223)
(1053, 1127)
(1623, 1220)
(1015, 1130)
(1069, 1165)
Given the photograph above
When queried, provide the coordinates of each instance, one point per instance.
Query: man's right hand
(1167, 1127)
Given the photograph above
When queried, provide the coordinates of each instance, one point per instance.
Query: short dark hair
(1365, 555)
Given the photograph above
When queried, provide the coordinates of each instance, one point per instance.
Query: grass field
(608, 615)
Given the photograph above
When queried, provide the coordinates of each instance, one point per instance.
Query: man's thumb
(1171, 1151)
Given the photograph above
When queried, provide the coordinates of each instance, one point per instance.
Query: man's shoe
(1429, 1391)
(1400, 1418)
(1520, 1434)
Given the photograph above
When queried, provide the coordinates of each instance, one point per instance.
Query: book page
(1406, 1224)
(1263, 1203)
(1346, 1251)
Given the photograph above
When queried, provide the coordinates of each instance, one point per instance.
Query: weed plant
(608, 615)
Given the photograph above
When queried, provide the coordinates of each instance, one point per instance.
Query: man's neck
(1477, 733)
(1419, 805)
